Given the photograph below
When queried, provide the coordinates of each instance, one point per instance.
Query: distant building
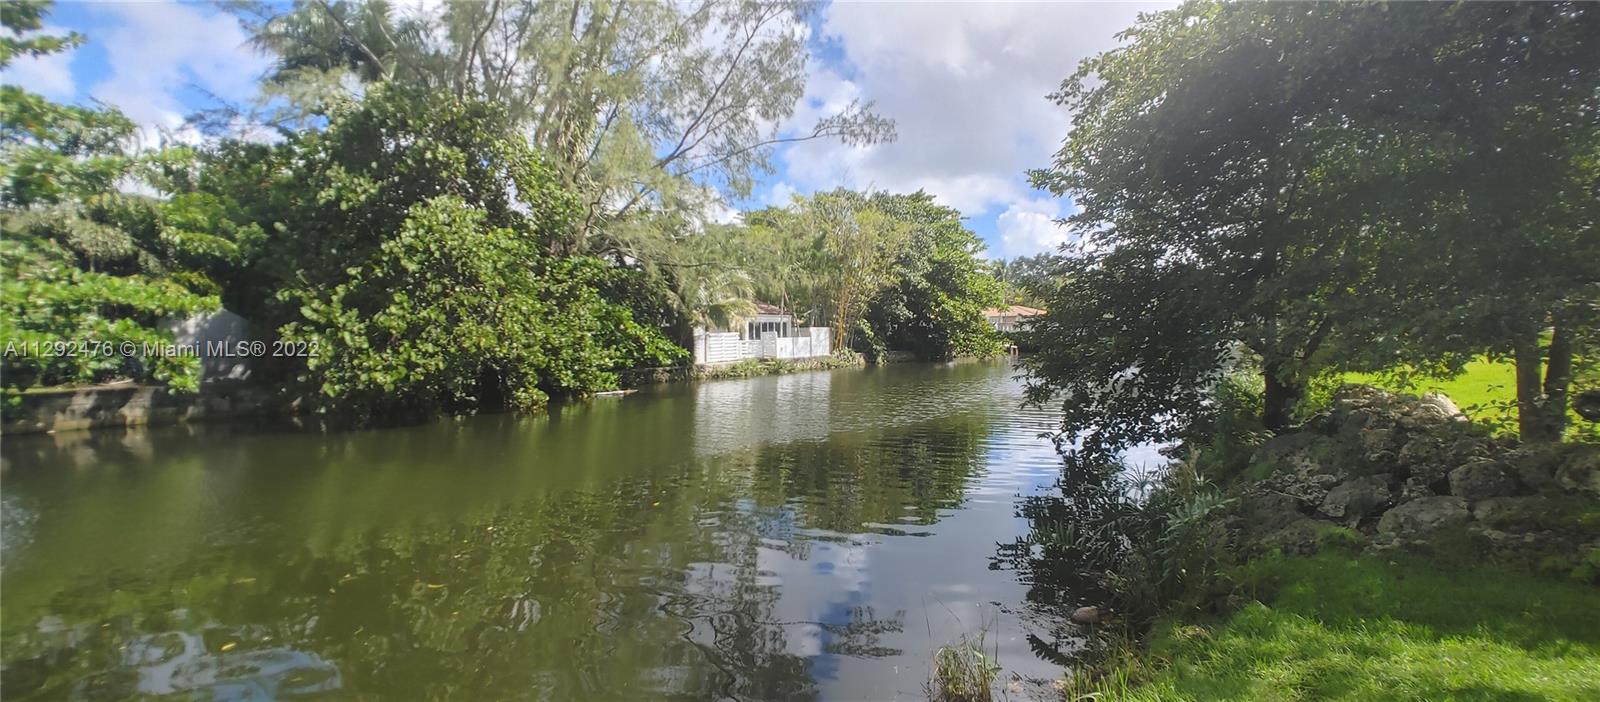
(1010, 318)
(767, 318)
(769, 332)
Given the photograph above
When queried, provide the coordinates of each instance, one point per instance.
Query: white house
(1010, 318)
(768, 318)
(769, 333)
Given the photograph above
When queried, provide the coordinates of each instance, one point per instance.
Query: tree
(1192, 165)
(451, 314)
(934, 306)
(91, 271)
(1262, 181)
(1496, 247)
(406, 251)
(854, 247)
(1028, 280)
(639, 107)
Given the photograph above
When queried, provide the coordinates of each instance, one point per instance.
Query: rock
(1265, 512)
(1090, 616)
(1379, 446)
(1536, 465)
(1468, 449)
(1581, 471)
(1533, 548)
(1425, 516)
(1420, 449)
(1356, 498)
(1299, 452)
(1587, 405)
(1302, 464)
(1309, 490)
(1481, 479)
(1423, 457)
(1302, 538)
(1414, 488)
(1514, 514)
(1441, 405)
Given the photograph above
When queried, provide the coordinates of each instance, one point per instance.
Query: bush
(1227, 432)
(1146, 540)
(457, 315)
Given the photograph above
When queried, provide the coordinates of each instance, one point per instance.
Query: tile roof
(1013, 311)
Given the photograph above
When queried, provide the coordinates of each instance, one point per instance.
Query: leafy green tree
(1248, 178)
(90, 271)
(406, 246)
(1028, 280)
(1490, 111)
(21, 20)
(639, 107)
(934, 307)
(453, 314)
(851, 249)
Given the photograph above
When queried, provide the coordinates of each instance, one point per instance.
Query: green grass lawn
(1345, 627)
(1485, 390)
(1482, 386)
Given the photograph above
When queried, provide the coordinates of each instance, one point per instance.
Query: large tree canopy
(934, 306)
(407, 246)
(1248, 177)
(639, 106)
(90, 271)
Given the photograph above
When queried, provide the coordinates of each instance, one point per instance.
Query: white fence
(727, 347)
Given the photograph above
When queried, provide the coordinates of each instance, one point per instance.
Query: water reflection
(793, 537)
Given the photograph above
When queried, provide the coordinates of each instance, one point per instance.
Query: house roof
(764, 308)
(1013, 311)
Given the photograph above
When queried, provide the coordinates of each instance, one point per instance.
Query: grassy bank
(753, 367)
(1361, 627)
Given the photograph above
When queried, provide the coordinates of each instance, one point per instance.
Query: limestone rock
(1303, 464)
(1265, 512)
(1581, 472)
(1356, 498)
(1513, 514)
(1481, 479)
(1420, 449)
(1443, 406)
(1302, 538)
(1470, 448)
(1425, 516)
(1414, 488)
(1090, 616)
(1536, 466)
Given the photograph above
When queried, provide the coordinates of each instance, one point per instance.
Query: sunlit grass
(1486, 390)
(1338, 627)
(1482, 390)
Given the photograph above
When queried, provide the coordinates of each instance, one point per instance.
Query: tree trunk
(1533, 424)
(1557, 379)
(1282, 394)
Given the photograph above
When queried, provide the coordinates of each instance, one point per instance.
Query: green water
(813, 535)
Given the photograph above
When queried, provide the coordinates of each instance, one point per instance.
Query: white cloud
(779, 194)
(1030, 227)
(159, 51)
(966, 85)
(49, 75)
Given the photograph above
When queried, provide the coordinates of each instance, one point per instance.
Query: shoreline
(125, 405)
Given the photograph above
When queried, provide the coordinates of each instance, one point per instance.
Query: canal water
(814, 535)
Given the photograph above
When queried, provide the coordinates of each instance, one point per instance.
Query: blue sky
(965, 83)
